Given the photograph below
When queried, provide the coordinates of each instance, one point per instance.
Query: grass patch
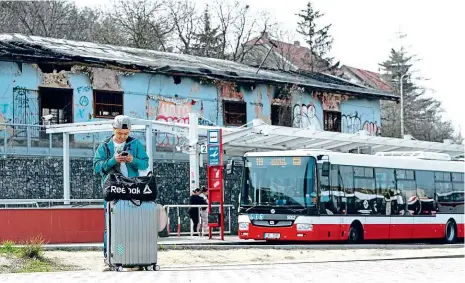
(28, 257)
(32, 249)
(36, 265)
(8, 248)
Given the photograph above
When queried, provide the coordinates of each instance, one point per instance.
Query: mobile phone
(124, 153)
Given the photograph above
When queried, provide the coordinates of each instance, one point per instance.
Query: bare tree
(185, 19)
(59, 19)
(146, 23)
(238, 25)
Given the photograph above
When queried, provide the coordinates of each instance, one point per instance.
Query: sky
(364, 31)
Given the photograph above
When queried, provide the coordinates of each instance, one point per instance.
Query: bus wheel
(355, 233)
(451, 232)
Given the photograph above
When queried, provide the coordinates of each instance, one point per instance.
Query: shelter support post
(149, 145)
(193, 151)
(66, 181)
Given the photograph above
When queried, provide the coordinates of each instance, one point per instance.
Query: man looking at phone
(119, 153)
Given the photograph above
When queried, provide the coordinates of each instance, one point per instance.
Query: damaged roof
(35, 49)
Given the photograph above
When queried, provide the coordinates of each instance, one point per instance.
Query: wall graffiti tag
(304, 117)
(25, 109)
(352, 123)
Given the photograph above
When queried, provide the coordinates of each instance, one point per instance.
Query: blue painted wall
(152, 97)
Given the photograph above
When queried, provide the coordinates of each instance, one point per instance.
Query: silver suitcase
(132, 235)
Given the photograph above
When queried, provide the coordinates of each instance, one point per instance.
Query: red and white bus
(318, 195)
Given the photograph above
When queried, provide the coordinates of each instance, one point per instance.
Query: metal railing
(187, 206)
(28, 139)
(50, 203)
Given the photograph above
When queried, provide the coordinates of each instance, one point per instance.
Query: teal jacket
(105, 162)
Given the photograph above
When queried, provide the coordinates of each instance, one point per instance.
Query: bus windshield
(279, 182)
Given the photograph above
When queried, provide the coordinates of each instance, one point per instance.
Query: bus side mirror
(325, 169)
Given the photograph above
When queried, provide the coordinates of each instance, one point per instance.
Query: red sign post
(215, 178)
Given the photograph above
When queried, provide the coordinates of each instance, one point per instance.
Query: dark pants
(194, 215)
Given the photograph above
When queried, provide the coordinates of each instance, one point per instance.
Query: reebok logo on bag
(147, 190)
(119, 187)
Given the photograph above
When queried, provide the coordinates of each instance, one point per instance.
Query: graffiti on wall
(352, 123)
(304, 117)
(174, 112)
(25, 106)
(169, 109)
(83, 103)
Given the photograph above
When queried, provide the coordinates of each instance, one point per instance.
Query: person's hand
(129, 158)
(119, 158)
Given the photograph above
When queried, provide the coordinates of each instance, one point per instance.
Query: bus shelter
(254, 136)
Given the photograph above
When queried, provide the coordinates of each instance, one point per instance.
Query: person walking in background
(204, 211)
(195, 199)
(119, 153)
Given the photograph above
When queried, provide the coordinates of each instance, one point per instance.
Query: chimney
(297, 43)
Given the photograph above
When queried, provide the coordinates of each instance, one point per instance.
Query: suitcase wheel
(119, 269)
(153, 267)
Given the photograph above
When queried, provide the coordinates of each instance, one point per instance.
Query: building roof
(369, 78)
(35, 49)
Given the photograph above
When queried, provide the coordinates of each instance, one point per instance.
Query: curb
(234, 246)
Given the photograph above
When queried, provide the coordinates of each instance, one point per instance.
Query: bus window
(365, 195)
(346, 181)
(458, 191)
(425, 191)
(407, 202)
(386, 185)
(444, 193)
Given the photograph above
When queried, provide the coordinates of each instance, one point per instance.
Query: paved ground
(414, 270)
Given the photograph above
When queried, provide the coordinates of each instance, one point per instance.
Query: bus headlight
(243, 226)
(304, 227)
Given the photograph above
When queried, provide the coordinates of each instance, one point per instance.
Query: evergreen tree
(319, 40)
(422, 113)
(208, 42)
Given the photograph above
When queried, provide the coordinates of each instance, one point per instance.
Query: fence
(187, 206)
(50, 203)
(32, 140)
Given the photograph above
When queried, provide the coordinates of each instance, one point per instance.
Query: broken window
(332, 121)
(235, 113)
(108, 104)
(281, 115)
(57, 102)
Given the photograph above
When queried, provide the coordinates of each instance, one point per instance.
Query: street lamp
(402, 104)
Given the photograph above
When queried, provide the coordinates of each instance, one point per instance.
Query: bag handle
(131, 200)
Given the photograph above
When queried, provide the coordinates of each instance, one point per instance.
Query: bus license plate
(272, 235)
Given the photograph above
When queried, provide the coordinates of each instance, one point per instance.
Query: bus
(320, 195)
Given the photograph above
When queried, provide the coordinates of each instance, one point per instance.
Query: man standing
(195, 199)
(119, 153)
